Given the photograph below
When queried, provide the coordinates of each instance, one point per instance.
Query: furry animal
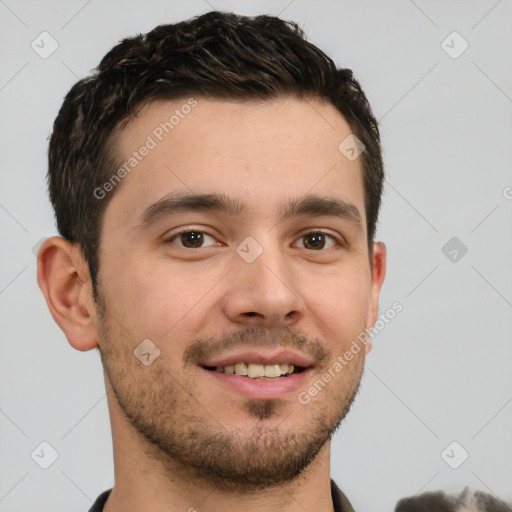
(467, 501)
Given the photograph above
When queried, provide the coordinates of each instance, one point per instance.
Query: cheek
(154, 300)
(341, 301)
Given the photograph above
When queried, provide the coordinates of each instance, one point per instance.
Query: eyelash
(313, 232)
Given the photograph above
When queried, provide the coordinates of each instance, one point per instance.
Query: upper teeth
(254, 370)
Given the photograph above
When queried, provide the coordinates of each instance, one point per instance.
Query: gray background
(439, 372)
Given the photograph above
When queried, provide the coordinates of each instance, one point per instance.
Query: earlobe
(378, 274)
(63, 277)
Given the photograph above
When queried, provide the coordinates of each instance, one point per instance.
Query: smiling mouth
(258, 371)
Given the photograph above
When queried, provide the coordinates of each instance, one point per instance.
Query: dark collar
(340, 502)
(100, 501)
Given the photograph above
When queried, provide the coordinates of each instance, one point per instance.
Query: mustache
(254, 336)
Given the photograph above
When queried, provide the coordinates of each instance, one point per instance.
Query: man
(217, 184)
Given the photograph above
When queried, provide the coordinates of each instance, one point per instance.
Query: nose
(263, 292)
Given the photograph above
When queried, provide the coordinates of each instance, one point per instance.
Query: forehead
(258, 152)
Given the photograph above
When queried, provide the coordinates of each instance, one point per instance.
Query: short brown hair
(215, 55)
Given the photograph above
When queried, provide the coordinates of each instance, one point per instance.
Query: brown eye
(189, 239)
(192, 239)
(316, 240)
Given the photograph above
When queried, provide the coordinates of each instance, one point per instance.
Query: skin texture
(180, 439)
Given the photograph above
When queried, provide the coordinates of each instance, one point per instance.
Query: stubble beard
(183, 437)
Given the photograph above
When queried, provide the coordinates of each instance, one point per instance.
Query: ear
(378, 273)
(63, 276)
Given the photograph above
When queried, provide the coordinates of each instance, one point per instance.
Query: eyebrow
(308, 205)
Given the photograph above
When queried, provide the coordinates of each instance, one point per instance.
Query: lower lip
(260, 389)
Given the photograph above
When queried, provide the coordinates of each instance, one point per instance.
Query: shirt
(340, 502)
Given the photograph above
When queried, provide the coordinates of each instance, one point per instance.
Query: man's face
(204, 296)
